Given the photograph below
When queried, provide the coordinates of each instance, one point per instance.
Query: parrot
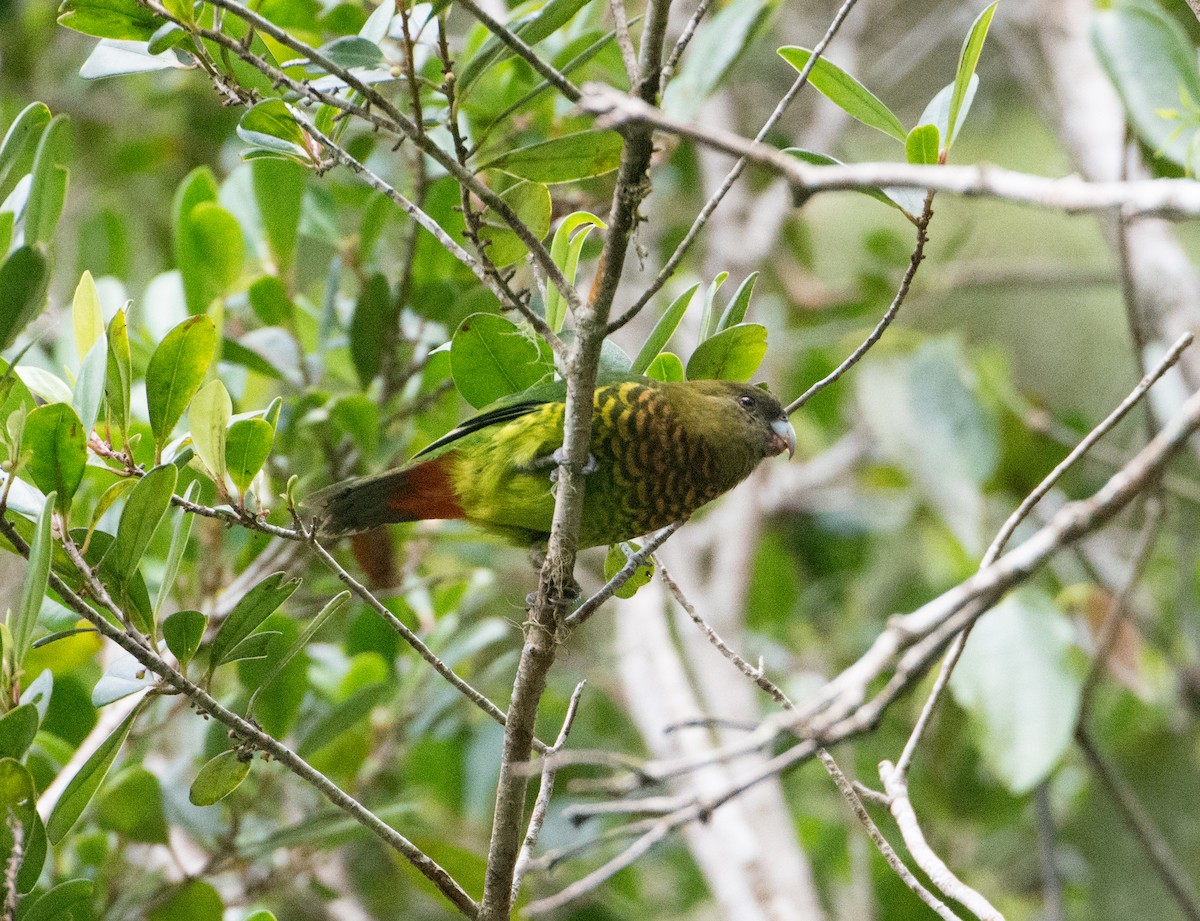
(658, 452)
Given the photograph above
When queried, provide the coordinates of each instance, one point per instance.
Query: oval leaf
(490, 357)
(731, 355)
(666, 367)
(208, 419)
(24, 277)
(58, 445)
(563, 159)
(145, 509)
(175, 373)
(246, 450)
(183, 632)
(663, 330)
(847, 93)
(218, 778)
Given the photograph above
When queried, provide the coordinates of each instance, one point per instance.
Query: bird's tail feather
(416, 493)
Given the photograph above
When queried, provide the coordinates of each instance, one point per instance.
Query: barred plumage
(660, 451)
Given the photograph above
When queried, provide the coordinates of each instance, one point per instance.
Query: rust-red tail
(418, 493)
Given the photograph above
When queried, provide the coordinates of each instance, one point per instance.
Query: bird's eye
(746, 402)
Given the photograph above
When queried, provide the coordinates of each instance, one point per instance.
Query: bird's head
(755, 415)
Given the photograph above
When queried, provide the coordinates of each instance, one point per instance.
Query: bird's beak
(783, 437)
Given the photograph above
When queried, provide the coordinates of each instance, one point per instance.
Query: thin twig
(685, 38)
(754, 674)
(624, 41)
(623, 575)
(914, 263)
(926, 858)
(1157, 849)
(522, 50)
(545, 791)
(460, 684)
(252, 736)
(732, 176)
(850, 794)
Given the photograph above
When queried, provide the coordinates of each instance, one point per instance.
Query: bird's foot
(571, 593)
(556, 459)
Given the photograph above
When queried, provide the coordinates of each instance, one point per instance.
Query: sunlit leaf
(847, 93)
(491, 358)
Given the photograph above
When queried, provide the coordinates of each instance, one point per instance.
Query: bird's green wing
(507, 409)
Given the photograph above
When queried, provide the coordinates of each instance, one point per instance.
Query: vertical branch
(544, 627)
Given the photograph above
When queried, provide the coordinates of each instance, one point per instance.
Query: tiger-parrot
(659, 451)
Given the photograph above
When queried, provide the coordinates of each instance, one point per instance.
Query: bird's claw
(558, 457)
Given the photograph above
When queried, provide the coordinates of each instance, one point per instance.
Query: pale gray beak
(783, 437)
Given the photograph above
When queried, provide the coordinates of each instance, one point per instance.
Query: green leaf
(565, 253)
(48, 191)
(490, 358)
(33, 589)
(89, 385)
(16, 783)
(246, 450)
(146, 508)
(739, 303)
(55, 436)
(279, 191)
(255, 646)
(210, 253)
(968, 58)
(270, 302)
(83, 786)
(272, 126)
(707, 313)
(343, 717)
(183, 632)
(253, 608)
(64, 902)
(531, 203)
(615, 561)
(923, 145)
(86, 319)
(218, 778)
(124, 676)
(119, 371)
(310, 630)
(666, 367)
(107, 500)
(717, 46)
(663, 330)
(20, 142)
(120, 19)
(194, 901)
(7, 225)
(532, 28)
(179, 539)
(208, 420)
(39, 691)
(847, 93)
(1152, 63)
(261, 915)
(563, 159)
(132, 806)
(733, 354)
(17, 729)
(175, 372)
(24, 277)
(348, 52)
(374, 313)
(1016, 680)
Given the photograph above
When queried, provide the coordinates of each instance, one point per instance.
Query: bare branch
(885, 321)
(1172, 198)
